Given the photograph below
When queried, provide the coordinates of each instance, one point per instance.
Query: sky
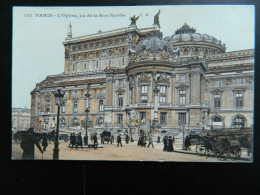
(37, 49)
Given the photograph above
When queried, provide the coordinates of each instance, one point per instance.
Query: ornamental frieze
(163, 79)
(120, 91)
(144, 78)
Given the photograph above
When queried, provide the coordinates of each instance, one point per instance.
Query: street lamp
(183, 141)
(58, 97)
(87, 115)
(39, 126)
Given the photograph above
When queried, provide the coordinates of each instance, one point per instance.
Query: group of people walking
(168, 143)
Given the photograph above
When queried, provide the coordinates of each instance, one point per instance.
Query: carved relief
(120, 90)
(163, 79)
(67, 52)
(144, 78)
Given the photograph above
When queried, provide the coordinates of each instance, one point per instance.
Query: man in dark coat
(95, 141)
(119, 140)
(44, 142)
(170, 145)
(165, 143)
(127, 138)
(29, 139)
(187, 143)
(158, 139)
(131, 139)
(112, 139)
(79, 141)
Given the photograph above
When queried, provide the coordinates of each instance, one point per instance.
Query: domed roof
(188, 34)
(154, 43)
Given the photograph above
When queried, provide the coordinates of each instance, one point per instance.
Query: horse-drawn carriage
(105, 136)
(225, 143)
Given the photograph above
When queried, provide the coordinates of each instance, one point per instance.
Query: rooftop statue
(156, 19)
(133, 20)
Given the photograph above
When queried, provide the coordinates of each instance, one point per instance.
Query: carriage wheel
(200, 149)
(221, 151)
(236, 153)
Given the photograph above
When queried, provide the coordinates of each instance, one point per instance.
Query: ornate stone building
(136, 78)
(20, 118)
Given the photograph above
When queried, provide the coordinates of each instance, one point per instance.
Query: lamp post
(39, 126)
(183, 141)
(58, 97)
(87, 115)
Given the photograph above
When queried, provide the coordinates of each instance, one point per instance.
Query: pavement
(129, 152)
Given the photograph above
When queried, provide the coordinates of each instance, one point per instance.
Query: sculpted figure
(156, 19)
(133, 20)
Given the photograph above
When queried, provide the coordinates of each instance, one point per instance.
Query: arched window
(239, 121)
(100, 121)
(75, 121)
(75, 106)
(63, 121)
(217, 118)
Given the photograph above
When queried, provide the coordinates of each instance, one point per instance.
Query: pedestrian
(112, 139)
(95, 141)
(187, 143)
(158, 139)
(127, 139)
(131, 139)
(119, 140)
(44, 142)
(29, 139)
(170, 145)
(150, 141)
(79, 141)
(165, 143)
(49, 137)
(85, 140)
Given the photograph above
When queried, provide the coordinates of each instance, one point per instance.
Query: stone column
(156, 101)
(67, 58)
(173, 80)
(195, 87)
(135, 94)
(109, 90)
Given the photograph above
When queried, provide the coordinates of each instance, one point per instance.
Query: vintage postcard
(137, 83)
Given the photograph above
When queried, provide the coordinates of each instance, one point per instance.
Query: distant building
(136, 76)
(20, 118)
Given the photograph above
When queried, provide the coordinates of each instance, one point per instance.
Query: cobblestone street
(128, 152)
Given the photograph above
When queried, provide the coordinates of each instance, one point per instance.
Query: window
(143, 117)
(144, 94)
(38, 108)
(123, 61)
(181, 77)
(144, 99)
(162, 89)
(239, 100)
(120, 82)
(75, 106)
(100, 121)
(63, 122)
(217, 100)
(109, 62)
(163, 118)
(75, 122)
(97, 65)
(101, 105)
(239, 81)
(239, 121)
(85, 66)
(217, 82)
(182, 118)
(47, 105)
(120, 99)
(63, 106)
(120, 118)
(182, 97)
(216, 119)
(144, 89)
(162, 99)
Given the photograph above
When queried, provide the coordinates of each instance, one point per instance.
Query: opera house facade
(138, 80)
